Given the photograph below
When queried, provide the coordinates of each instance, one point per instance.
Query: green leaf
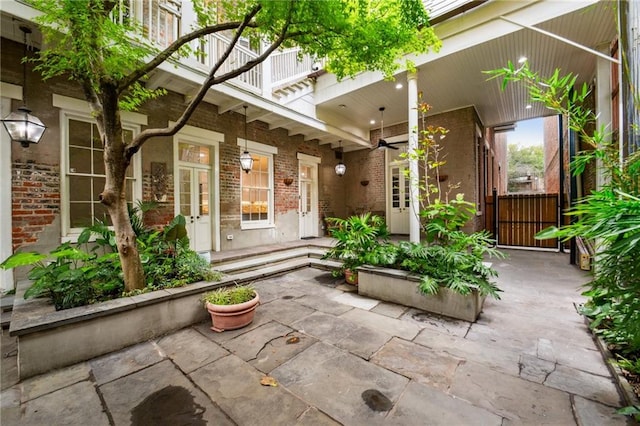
(22, 259)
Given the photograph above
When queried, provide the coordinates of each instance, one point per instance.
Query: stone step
(5, 319)
(257, 261)
(279, 268)
(6, 303)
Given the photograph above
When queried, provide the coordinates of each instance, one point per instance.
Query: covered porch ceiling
(475, 36)
(476, 40)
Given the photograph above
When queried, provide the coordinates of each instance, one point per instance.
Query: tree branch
(175, 46)
(143, 136)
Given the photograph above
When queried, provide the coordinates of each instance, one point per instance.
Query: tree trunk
(114, 194)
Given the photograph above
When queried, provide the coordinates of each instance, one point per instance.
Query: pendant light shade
(246, 161)
(23, 127)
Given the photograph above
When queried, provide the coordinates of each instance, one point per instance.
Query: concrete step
(252, 262)
(279, 268)
(6, 303)
(5, 319)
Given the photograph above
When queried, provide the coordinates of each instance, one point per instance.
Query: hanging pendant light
(246, 161)
(21, 125)
(341, 169)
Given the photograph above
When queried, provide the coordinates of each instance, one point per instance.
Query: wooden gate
(517, 218)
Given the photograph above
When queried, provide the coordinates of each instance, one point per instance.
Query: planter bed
(50, 339)
(401, 287)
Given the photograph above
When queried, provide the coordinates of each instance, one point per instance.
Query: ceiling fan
(381, 142)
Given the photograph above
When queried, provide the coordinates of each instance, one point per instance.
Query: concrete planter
(50, 339)
(401, 287)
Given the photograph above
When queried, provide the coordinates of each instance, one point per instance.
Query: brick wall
(35, 197)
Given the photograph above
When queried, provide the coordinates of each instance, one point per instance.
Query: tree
(110, 63)
(525, 161)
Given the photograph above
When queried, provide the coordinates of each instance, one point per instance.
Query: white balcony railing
(161, 24)
(288, 66)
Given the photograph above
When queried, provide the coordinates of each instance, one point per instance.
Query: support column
(414, 202)
(603, 106)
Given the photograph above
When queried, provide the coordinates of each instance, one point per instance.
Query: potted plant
(358, 239)
(231, 307)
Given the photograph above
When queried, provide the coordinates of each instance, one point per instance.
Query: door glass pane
(395, 188)
(406, 191)
(308, 197)
(203, 193)
(185, 192)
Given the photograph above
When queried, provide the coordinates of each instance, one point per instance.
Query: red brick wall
(35, 197)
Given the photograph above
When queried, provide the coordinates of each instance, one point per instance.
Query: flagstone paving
(338, 358)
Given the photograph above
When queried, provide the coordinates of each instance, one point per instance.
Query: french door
(399, 199)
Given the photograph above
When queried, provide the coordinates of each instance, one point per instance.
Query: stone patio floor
(339, 358)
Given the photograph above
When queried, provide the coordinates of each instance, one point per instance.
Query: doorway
(196, 185)
(308, 195)
(398, 198)
(195, 201)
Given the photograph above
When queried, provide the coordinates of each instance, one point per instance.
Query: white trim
(10, 91)
(257, 146)
(6, 227)
(205, 136)
(69, 234)
(82, 107)
(309, 158)
(196, 135)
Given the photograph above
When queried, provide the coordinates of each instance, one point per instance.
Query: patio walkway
(342, 359)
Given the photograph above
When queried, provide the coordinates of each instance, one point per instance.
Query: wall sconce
(341, 169)
(288, 181)
(246, 161)
(21, 125)
(364, 182)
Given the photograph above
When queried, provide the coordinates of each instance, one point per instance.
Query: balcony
(162, 22)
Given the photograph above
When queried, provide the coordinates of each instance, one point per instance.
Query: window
(84, 175)
(257, 187)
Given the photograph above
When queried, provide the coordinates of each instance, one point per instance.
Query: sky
(527, 133)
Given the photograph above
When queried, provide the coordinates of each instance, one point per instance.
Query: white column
(603, 105)
(414, 202)
(9, 91)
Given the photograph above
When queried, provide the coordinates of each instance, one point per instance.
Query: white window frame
(76, 109)
(269, 152)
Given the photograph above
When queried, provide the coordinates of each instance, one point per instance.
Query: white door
(195, 199)
(308, 216)
(398, 199)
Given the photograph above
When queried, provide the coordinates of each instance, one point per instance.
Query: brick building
(295, 123)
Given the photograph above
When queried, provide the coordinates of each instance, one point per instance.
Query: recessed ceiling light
(372, 122)
(528, 107)
(399, 86)
(522, 59)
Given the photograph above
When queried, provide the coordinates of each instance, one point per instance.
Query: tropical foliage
(88, 272)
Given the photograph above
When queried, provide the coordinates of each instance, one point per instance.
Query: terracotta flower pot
(351, 277)
(231, 317)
